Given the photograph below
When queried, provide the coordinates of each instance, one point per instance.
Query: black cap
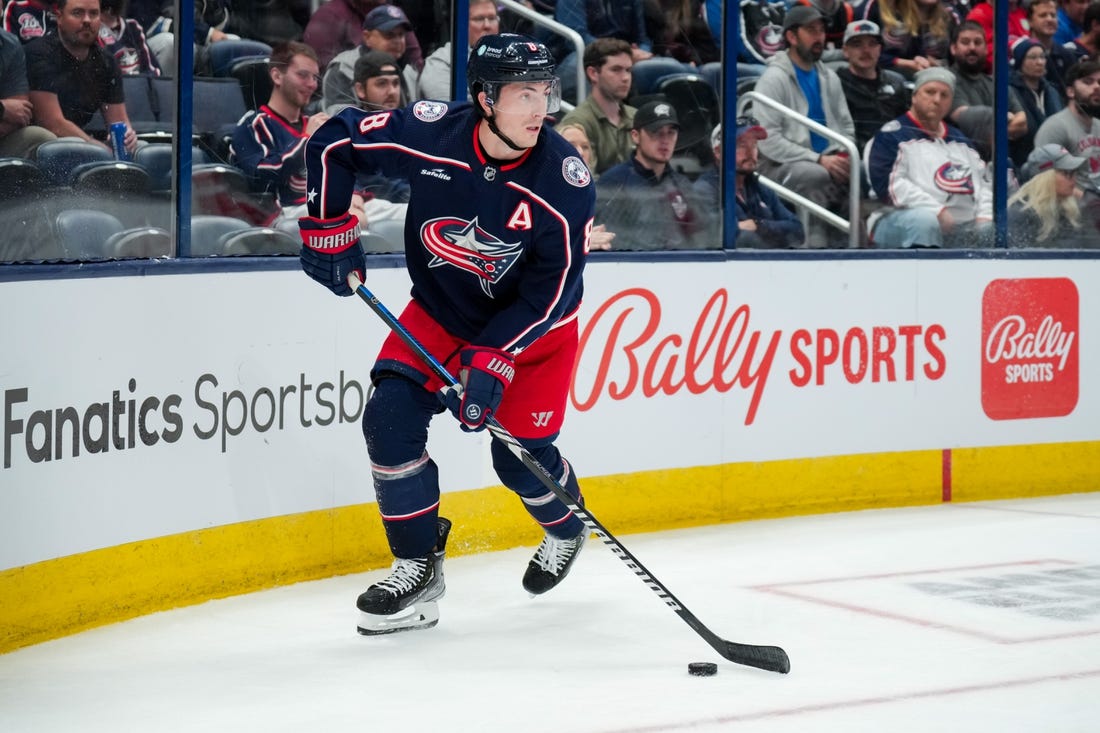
(372, 63)
(654, 115)
(801, 15)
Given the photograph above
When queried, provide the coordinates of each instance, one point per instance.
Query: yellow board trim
(66, 595)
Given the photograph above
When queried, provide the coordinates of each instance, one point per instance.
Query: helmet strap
(491, 120)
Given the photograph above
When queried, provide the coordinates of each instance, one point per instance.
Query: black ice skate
(551, 562)
(406, 600)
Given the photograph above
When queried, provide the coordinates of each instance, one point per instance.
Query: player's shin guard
(565, 533)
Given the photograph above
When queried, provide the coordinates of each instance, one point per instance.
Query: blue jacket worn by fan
(495, 249)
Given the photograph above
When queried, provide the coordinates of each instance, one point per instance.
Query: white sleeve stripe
(323, 213)
(411, 151)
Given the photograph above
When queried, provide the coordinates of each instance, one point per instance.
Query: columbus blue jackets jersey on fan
(495, 249)
(272, 149)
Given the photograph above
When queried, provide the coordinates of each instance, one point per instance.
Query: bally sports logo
(1030, 348)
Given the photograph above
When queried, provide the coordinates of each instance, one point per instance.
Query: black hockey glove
(331, 251)
(484, 374)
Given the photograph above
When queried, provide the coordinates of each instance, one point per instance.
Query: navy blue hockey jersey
(271, 149)
(495, 249)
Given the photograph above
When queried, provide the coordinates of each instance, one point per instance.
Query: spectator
(149, 12)
(679, 30)
(605, 116)
(972, 108)
(123, 38)
(600, 239)
(1042, 16)
(791, 154)
(269, 143)
(1045, 211)
(435, 79)
(29, 19)
(1076, 128)
(1087, 45)
(917, 33)
(763, 221)
(1037, 95)
(71, 77)
(211, 18)
(377, 198)
(875, 96)
(982, 14)
(337, 26)
(18, 137)
(377, 81)
(837, 15)
(1071, 13)
(643, 200)
(623, 19)
(386, 29)
(930, 173)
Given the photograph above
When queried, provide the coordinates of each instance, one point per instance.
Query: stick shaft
(768, 658)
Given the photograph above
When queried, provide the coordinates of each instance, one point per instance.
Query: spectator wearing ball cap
(763, 221)
(801, 160)
(384, 29)
(1037, 95)
(643, 200)
(929, 174)
(1045, 212)
(875, 96)
(837, 15)
(337, 25)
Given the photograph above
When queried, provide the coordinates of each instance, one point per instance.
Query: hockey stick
(770, 658)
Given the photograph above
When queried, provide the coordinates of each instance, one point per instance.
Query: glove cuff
(329, 236)
(495, 362)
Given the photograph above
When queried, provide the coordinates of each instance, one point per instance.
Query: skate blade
(423, 615)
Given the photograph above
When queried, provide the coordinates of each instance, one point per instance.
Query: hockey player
(495, 243)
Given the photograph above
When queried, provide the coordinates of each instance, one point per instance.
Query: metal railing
(854, 193)
(557, 28)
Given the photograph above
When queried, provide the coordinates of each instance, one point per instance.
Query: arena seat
(82, 234)
(58, 158)
(260, 241)
(141, 242)
(208, 231)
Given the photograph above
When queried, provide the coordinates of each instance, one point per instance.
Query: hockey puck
(703, 669)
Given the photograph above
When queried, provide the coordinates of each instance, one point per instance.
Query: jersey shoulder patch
(429, 111)
(891, 126)
(575, 172)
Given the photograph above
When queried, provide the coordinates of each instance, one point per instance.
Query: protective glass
(527, 97)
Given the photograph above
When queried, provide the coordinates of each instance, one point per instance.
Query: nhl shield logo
(575, 172)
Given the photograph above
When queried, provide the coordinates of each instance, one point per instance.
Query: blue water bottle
(118, 140)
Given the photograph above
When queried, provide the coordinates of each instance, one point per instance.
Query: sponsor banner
(147, 406)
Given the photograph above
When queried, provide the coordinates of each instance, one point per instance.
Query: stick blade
(770, 658)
